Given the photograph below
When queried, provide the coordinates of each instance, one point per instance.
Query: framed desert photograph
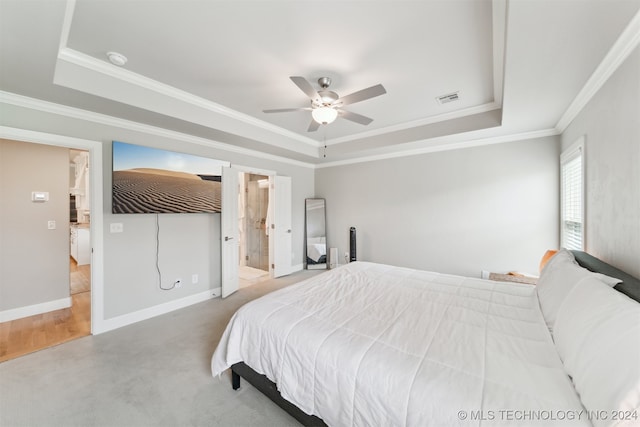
(150, 180)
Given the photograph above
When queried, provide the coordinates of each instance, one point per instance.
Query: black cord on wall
(158, 257)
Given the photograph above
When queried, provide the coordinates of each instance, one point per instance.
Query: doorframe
(96, 225)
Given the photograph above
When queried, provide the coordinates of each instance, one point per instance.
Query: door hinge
(273, 266)
(273, 226)
(246, 257)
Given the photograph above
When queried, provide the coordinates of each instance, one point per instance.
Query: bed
(316, 250)
(372, 344)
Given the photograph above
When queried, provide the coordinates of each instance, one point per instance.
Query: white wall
(610, 123)
(189, 243)
(462, 211)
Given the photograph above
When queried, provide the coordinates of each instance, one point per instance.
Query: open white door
(229, 230)
(281, 225)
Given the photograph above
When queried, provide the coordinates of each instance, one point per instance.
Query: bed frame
(269, 389)
(630, 286)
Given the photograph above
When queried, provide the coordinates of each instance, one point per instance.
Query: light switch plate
(116, 227)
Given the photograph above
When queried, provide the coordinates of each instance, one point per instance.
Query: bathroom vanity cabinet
(80, 244)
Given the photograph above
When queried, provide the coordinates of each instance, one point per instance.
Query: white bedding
(371, 344)
(316, 248)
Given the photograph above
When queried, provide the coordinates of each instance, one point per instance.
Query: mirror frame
(307, 228)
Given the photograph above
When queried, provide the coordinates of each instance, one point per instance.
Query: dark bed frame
(630, 286)
(269, 389)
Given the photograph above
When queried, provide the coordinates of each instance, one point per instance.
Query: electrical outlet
(178, 283)
(194, 278)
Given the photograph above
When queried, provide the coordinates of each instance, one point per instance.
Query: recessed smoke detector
(450, 97)
(117, 58)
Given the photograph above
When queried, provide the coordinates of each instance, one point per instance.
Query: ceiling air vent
(450, 97)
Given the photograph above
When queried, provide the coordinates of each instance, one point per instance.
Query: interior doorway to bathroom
(253, 220)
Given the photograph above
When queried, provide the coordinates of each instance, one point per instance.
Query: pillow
(609, 281)
(557, 278)
(560, 274)
(597, 334)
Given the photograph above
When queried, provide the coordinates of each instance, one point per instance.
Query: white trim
(573, 150)
(499, 20)
(96, 226)
(445, 146)
(66, 23)
(621, 49)
(157, 310)
(122, 75)
(32, 310)
(77, 113)
(416, 123)
(253, 171)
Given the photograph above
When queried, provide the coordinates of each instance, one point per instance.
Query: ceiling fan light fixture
(324, 115)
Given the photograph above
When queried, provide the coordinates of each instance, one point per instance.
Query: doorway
(278, 223)
(79, 230)
(94, 148)
(66, 315)
(253, 220)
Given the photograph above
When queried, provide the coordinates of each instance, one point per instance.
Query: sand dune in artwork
(161, 191)
(165, 172)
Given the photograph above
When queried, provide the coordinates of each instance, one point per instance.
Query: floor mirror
(315, 234)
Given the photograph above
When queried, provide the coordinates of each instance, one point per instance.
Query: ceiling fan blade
(362, 95)
(354, 117)
(305, 86)
(313, 126)
(285, 110)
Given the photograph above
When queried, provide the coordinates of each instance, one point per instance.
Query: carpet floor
(152, 373)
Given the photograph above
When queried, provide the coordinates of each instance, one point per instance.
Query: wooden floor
(22, 336)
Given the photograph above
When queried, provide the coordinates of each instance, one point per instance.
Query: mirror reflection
(315, 234)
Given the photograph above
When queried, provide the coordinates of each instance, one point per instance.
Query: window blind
(572, 200)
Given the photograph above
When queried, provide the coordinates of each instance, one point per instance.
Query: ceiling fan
(326, 105)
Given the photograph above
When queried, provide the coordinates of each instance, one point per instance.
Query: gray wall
(34, 261)
(189, 243)
(610, 123)
(462, 211)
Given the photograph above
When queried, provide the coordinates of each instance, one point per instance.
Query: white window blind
(572, 209)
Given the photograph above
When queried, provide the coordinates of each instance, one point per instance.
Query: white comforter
(371, 344)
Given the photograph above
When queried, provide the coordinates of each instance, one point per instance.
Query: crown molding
(499, 18)
(444, 144)
(121, 74)
(417, 123)
(103, 119)
(621, 49)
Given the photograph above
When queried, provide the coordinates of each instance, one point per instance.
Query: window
(572, 196)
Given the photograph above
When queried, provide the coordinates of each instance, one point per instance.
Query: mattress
(372, 344)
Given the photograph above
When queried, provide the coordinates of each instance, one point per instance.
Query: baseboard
(32, 310)
(157, 310)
